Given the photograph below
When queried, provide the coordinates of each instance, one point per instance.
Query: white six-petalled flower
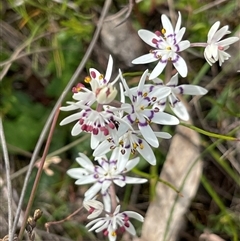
(167, 43)
(141, 111)
(107, 171)
(216, 48)
(114, 224)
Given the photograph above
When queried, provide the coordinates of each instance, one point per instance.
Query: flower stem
(9, 183)
(112, 193)
(39, 173)
(198, 45)
(211, 134)
(47, 225)
(146, 175)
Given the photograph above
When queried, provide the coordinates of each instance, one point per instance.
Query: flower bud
(106, 94)
(94, 208)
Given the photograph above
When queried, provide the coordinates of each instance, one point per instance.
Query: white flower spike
(167, 44)
(216, 48)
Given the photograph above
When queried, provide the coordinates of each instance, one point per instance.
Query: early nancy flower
(141, 111)
(167, 44)
(215, 50)
(103, 91)
(175, 103)
(93, 207)
(108, 171)
(100, 124)
(114, 224)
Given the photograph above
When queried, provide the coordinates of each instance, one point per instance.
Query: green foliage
(24, 121)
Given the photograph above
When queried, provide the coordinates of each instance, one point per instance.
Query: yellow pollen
(163, 31)
(145, 94)
(142, 107)
(141, 146)
(137, 120)
(101, 76)
(135, 145)
(121, 142)
(87, 79)
(113, 234)
(168, 48)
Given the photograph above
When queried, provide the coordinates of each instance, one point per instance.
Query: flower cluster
(123, 128)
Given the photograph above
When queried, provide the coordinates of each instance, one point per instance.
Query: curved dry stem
(7, 64)
(9, 183)
(39, 173)
(47, 225)
(64, 93)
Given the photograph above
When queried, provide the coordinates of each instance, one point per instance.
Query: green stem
(150, 177)
(207, 133)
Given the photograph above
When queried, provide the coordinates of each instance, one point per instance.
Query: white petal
(107, 202)
(132, 163)
(97, 77)
(95, 139)
(181, 66)
(228, 41)
(167, 25)
(119, 182)
(131, 229)
(77, 173)
(147, 153)
(183, 45)
(142, 81)
(165, 119)
(71, 118)
(212, 31)
(135, 180)
(145, 59)
(77, 129)
(86, 180)
(97, 223)
(134, 215)
(180, 34)
(93, 190)
(206, 56)
(147, 37)
(85, 162)
(163, 135)
(192, 89)
(71, 106)
(109, 68)
(220, 33)
(162, 92)
(103, 148)
(180, 110)
(157, 70)
(149, 135)
(178, 24)
(173, 80)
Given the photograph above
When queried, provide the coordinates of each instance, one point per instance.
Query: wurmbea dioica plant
(124, 129)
